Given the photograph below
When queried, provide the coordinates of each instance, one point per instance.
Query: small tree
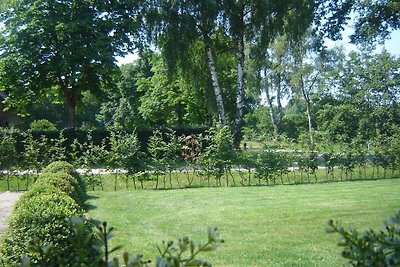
(31, 155)
(92, 156)
(8, 153)
(247, 161)
(219, 154)
(133, 159)
(267, 166)
(165, 152)
(57, 150)
(114, 158)
(156, 148)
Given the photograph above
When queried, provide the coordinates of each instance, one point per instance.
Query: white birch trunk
(237, 127)
(217, 88)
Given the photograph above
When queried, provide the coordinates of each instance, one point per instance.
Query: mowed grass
(262, 226)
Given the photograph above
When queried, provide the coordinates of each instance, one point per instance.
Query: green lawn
(262, 226)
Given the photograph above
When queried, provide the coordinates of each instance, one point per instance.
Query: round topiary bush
(42, 125)
(63, 166)
(43, 214)
(60, 166)
(64, 182)
(36, 189)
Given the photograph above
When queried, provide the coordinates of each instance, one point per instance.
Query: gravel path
(7, 201)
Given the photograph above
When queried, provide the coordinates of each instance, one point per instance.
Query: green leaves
(185, 253)
(58, 47)
(370, 248)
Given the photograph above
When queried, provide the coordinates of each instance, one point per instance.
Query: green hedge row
(41, 218)
(98, 136)
(47, 229)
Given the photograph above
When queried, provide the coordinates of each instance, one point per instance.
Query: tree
(58, 49)
(259, 22)
(182, 24)
(308, 65)
(372, 83)
(374, 19)
(269, 72)
(120, 108)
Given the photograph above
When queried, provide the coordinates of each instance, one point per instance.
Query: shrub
(40, 217)
(88, 252)
(42, 125)
(60, 166)
(372, 248)
(35, 190)
(64, 182)
(63, 166)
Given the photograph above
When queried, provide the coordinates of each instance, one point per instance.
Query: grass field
(262, 226)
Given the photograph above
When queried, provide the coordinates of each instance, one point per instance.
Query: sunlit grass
(262, 226)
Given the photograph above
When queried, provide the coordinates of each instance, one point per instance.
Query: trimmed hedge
(41, 215)
(41, 218)
(65, 167)
(64, 182)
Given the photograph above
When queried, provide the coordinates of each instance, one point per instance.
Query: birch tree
(182, 24)
(258, 23)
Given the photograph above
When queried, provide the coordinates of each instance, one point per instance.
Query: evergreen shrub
(42, 125)
(64, 182)
(42, 215)
(63, 166)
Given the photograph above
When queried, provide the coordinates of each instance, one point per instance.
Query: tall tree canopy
(256, 23)
(60, 48)
(373, 19)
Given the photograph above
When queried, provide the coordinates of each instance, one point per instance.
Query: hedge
(41, 215)
(64, 182)
(41, 218)
(58, 167)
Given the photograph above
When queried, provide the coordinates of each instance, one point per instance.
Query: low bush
(95, 250)
(64, 182)
(42, 125)
(60, 166)
(41, 216)
(63, 166)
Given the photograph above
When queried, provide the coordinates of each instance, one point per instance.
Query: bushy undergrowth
(209, 158)
(41, 218)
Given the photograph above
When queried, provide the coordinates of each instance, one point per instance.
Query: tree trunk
(306, 97)
(71, 115)
(271, 112)
(71, 96)
(237, 127)
(276, 116)
(310, 127)
(215, 84)
(279, 122)
(308, 110)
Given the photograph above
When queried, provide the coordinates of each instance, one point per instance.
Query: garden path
(7, 201)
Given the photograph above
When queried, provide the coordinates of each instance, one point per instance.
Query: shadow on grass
(87, 206)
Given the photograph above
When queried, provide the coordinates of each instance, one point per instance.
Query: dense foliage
(42, 213)
(170, 160)
(203, 64)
